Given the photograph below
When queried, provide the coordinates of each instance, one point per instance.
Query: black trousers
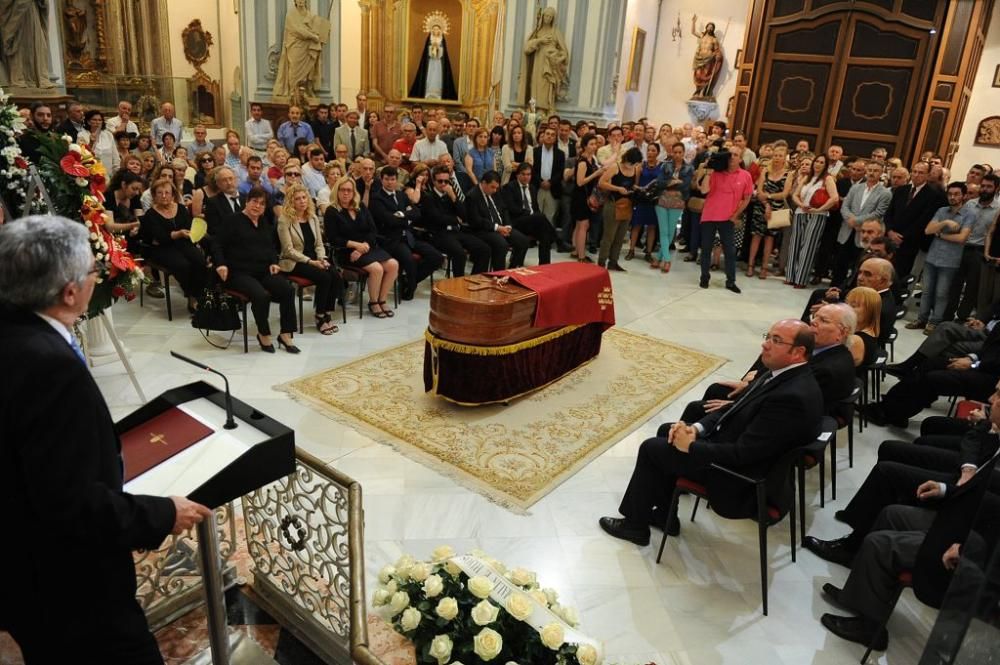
(262, 290)
(943, 425)
(913, 394)
(889, 483)
(828, 247)
(539, 228)
(905, 256)
(844, 261)
(656, 470)
(516, 241)
(695, 411)
(186, 263)
(412, 270)
(965, 284)
(329, 285)
(455, 245)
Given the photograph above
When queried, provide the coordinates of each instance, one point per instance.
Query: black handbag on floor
(217, 311)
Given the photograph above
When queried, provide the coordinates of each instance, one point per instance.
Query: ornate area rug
(515, 454)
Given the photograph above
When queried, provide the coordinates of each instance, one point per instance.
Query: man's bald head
(875, 273)
(788, 342)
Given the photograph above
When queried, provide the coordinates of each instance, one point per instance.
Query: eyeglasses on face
(293, 174)
(441, 181)
(774, 339)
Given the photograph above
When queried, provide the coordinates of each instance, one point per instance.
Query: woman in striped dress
(809, 221)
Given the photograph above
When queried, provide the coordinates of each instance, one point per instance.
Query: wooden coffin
(476, 310)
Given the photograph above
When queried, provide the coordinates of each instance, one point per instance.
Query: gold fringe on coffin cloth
(471, 349)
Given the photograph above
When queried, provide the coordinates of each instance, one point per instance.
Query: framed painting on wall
(635, 59)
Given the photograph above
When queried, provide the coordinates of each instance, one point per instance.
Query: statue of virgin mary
(434, 79)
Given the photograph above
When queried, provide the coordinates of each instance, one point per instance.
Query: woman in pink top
(727, 196)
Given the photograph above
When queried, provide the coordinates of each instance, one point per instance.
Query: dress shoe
(155, 290)
(916, 325)
(876, 415)
(840, 551)
(929, 329)
(732, 287)
(619, 528)
(564, 248)
(900, 370)
(616, 267)
(840, 516)
(658, 519)
(857, 629)
(832, 594)
(703, 283)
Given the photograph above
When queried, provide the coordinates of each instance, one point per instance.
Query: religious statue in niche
(988, 131)
(545, 63)
(76, 37)
(707, 60)
(24, 44)
(434, 79)
(299, 64)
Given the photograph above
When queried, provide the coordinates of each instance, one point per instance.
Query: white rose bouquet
(453, 618)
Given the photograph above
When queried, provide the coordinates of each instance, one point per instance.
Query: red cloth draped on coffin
(569, 293)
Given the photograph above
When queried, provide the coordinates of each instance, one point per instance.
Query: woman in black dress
(587, 174)
(351, 228)
(166, 232)
(245, 253)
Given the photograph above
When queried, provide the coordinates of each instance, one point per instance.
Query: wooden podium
(219, 468)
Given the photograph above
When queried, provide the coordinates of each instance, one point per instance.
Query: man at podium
(69, 580)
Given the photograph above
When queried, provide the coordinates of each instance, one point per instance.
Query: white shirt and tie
(526, 195)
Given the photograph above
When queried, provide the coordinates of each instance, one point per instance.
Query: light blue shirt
(288, 134)
(944, 253)
(161, 125)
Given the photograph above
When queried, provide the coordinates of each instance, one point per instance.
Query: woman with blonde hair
(300, 235)
(867, 304)
(332, 172)
(352, 230)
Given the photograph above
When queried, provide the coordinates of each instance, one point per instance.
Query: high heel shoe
(288, 346)
(750, 271)
(388, 312)
(266, 348)
(376, 311)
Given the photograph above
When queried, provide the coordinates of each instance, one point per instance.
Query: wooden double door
(851, 73)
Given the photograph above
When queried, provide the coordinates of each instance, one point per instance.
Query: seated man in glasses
(780, 410)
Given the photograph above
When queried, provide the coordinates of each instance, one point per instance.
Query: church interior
(399, 469)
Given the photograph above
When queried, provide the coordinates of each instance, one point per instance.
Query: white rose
(442, 553)
(551, 595)
(522, 577)
(419, 571)
(519, 606)
(410, 619)
(487, 644)
(398, 602)
(569, 615)
(538, 595)
(484, 613)
(403, 565)
(586, 654)
(552, 636)
(391, 587)
(441, 649)
(496, 565)
(433, 586)
(381, 597)
(453, 569)
(386, 574)
(447, 608)
(480, 586)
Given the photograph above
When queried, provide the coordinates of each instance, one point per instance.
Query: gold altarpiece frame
(389, 29)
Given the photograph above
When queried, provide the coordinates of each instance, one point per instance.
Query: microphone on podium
(230, 421)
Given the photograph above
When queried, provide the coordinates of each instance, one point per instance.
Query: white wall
(984, 102)
(672, 82)
(350, 51)
(641, 14)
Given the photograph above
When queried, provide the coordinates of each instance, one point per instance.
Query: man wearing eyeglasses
(61, 467)
(780, 410)
(441, 214)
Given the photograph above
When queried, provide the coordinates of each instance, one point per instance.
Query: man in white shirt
(834, 159)
(166, 122)
(258, 130)
(312, 173)
(430, 148)
(122, 122)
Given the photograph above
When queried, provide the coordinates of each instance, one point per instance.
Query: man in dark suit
(487, 218)
(73, 124)
(912, 207)
(521, 199)
(441, 214)
(225, 205)
(61, 467)
(828, 248)
(547, 177)
(972, 376)
(780, 410)
(394, 216)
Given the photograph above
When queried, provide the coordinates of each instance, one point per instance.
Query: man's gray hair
(39, 256)
(848, 318)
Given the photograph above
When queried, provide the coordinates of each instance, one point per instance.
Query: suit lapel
(741, 404)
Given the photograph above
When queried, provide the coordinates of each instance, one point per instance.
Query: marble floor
(701, 605)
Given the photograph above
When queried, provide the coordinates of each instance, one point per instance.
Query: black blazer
(392, 227)
(217, 211)
(910, 218)
(834, 372)
(887, 317)
(514, 202)
(558, 166)
(439, 214)
(246, 248)
(61, 485)
(477, 212)
(752, 433)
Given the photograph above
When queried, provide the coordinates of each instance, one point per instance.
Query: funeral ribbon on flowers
(540, 616)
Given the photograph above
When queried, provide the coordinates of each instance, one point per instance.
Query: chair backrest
(779, 485)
